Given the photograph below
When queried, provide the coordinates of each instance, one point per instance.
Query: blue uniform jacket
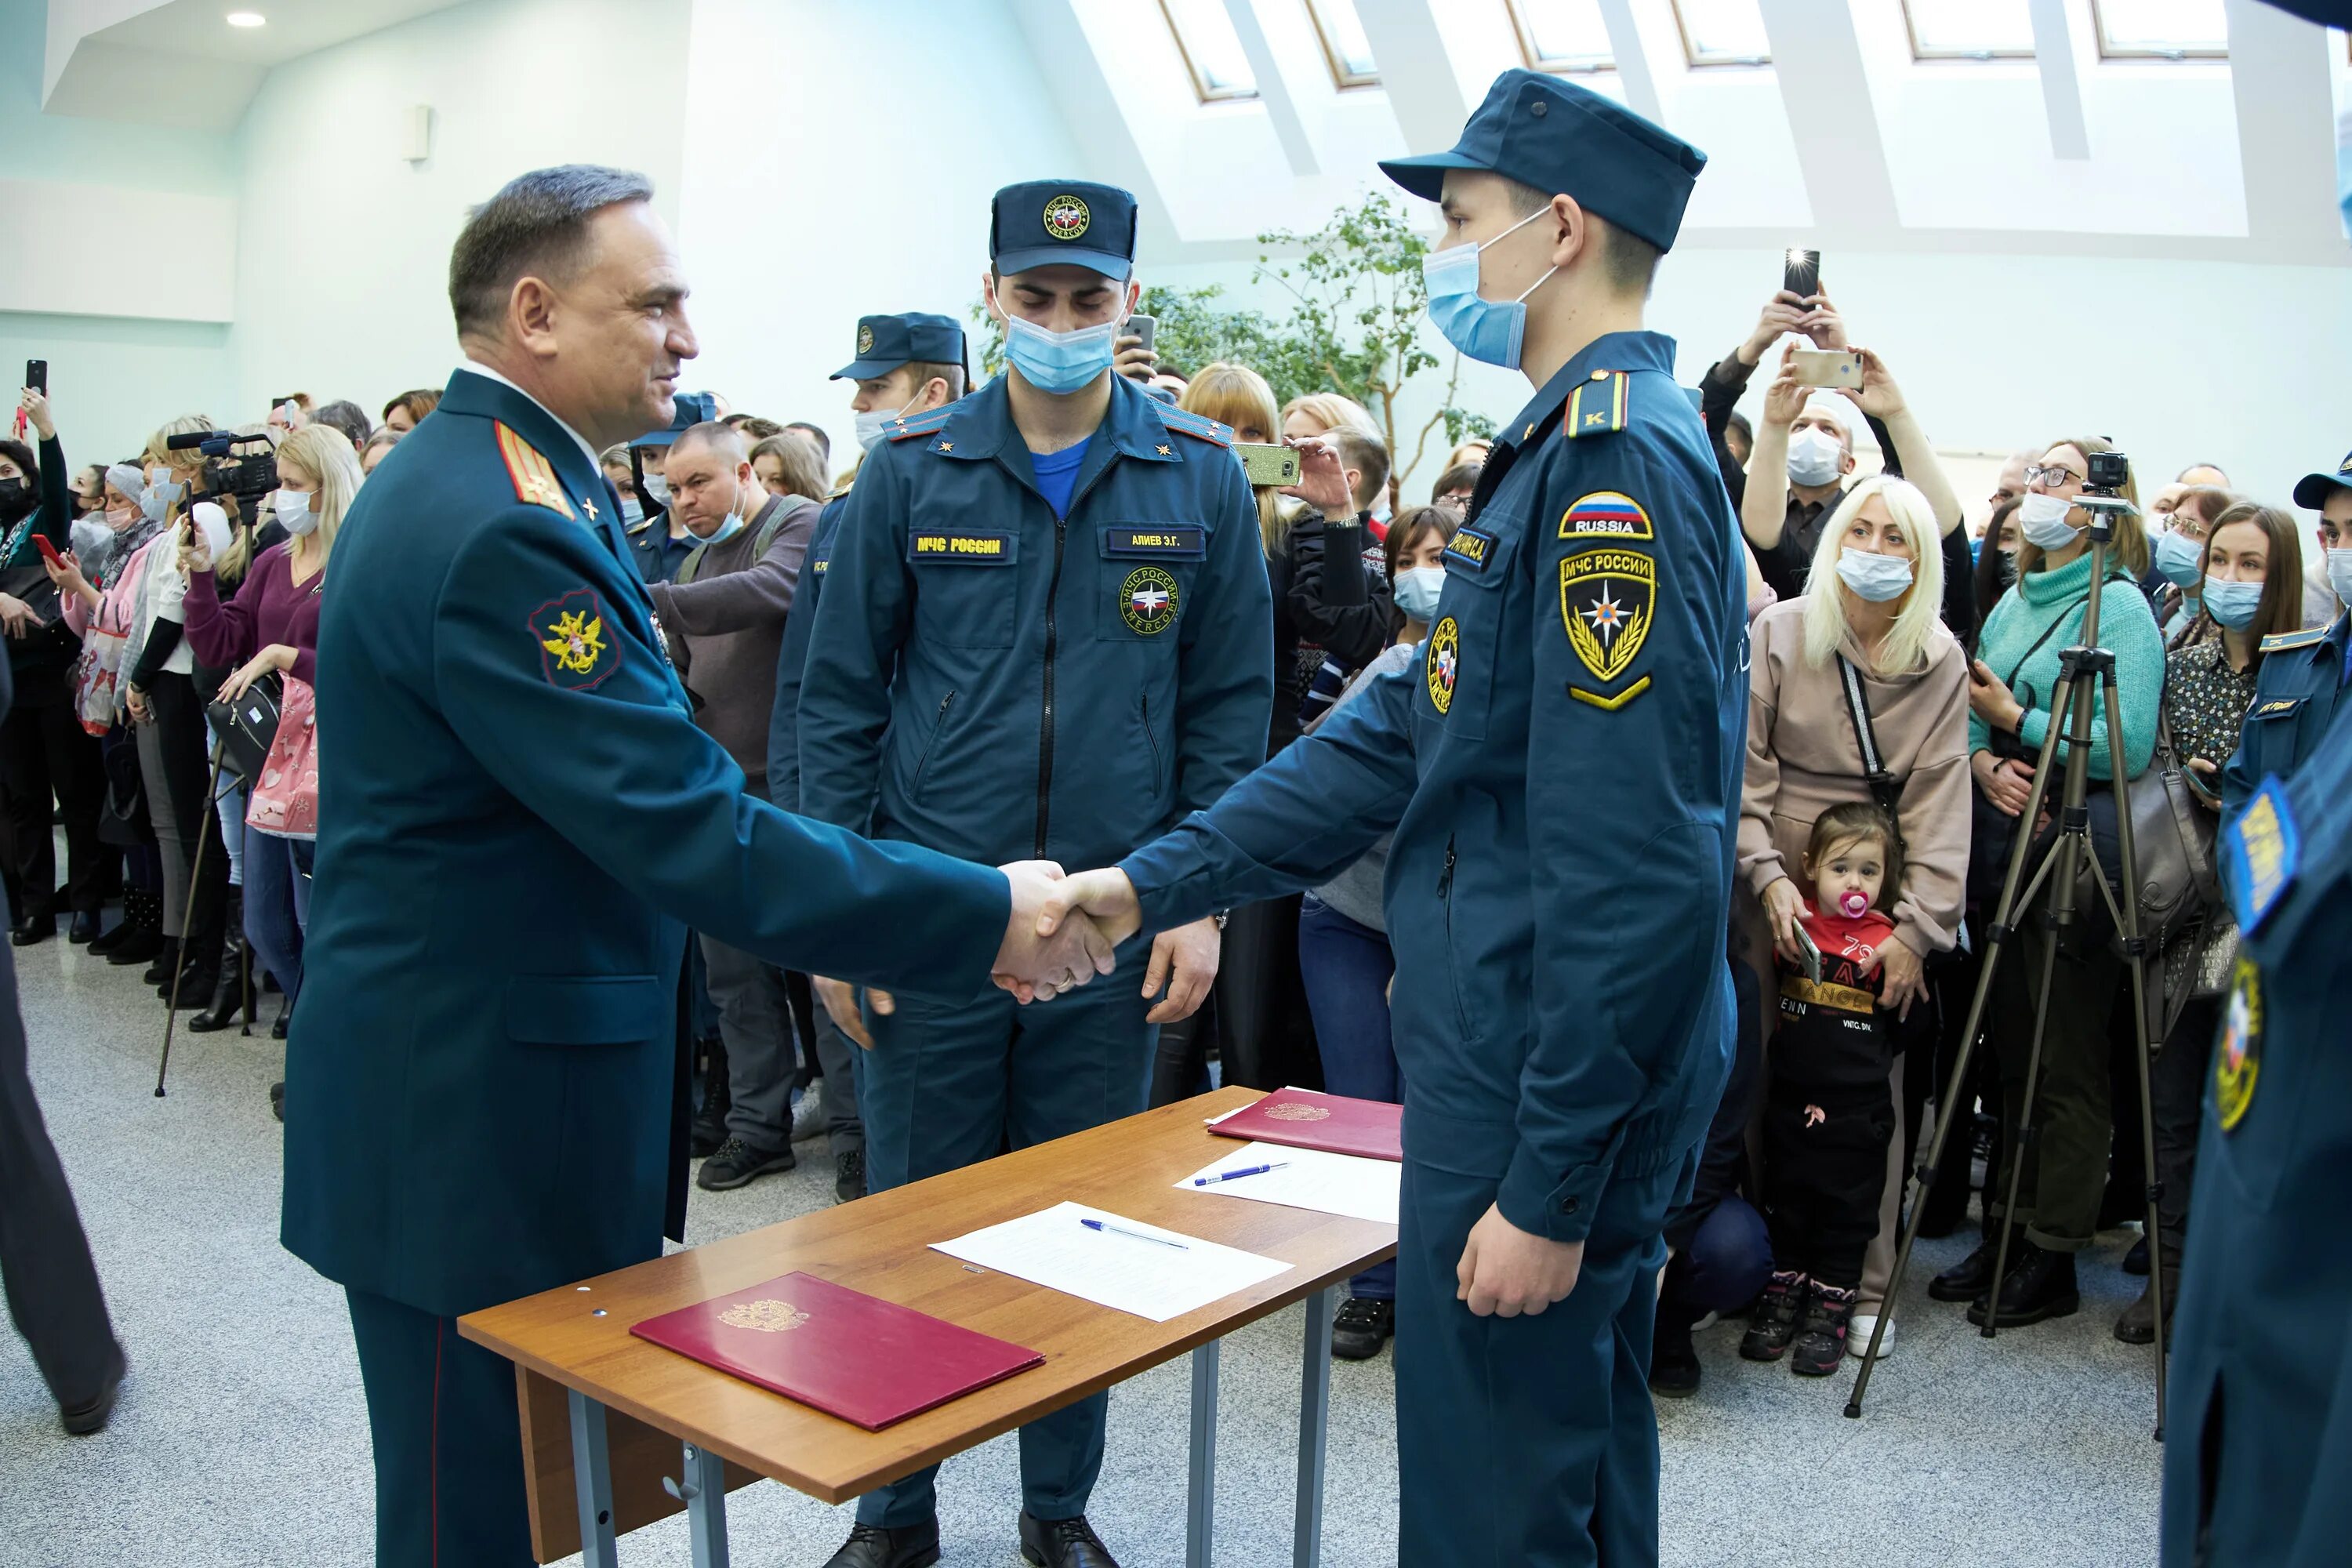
(516, 813)
(1562, 772)
(791, 661)
(1001, 684)
(2258, 1437)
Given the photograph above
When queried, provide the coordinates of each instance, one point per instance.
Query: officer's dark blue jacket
(791, 661)
(1562, 772)
(516, 813)
(1001, 684)
(2257, 1433)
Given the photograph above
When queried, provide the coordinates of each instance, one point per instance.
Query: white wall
(840, 163)
(344, 247)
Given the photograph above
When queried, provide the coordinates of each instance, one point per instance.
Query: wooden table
(604, 1412)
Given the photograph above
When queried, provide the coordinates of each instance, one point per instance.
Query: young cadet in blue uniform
(905, 366)
(1562, 776)
(487, 929)
(2258, 1435)
(1045, 625)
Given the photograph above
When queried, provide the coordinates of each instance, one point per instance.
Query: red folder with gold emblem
(840, 1350)
(1331, 1122)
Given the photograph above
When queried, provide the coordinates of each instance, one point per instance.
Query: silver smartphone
(1268, 464)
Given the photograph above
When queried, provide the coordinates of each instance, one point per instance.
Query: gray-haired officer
(1561, 773)
(1045, 623)
(2259, 1433)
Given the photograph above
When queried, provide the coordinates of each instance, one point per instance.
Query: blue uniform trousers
(1533, 1442)
(449, 1442)
(949, 1085)
(1345, 967)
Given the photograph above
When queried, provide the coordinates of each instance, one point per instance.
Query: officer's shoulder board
(924, 424)
(2279, 642)
(1597, 405)
(534, 476)
(1193, 425)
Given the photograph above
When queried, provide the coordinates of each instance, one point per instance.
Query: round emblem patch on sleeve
(1147, 600)
(576, 651)
(2238, 1057)
(1441, 660)
(1066, 217)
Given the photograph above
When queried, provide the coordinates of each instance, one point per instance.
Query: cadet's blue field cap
(886, 342)
(1042, 222)
(1557, 136)
(693, 409)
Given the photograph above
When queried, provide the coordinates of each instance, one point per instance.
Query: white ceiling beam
(1826, 93)
(2062, 87)
(1633, 63)
(1417, 71)
(2279, 71)
(1273, 89)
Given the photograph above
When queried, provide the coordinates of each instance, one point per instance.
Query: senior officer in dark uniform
(1562, 774)
(2259, 1437)
(516, 815)
(1045, 625)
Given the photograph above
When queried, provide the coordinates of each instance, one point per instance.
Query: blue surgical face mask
(2233, 604)
(1417, 591)
(728, 530)
(633, 511)
(1875, 577)
(1059, 362)
(2180, 558)
(2339, 574)
(1489, 331)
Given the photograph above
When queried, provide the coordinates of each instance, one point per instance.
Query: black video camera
(2109, 473)
(249, 478)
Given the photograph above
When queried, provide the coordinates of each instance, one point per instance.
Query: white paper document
(1344, 1184)
(1114, 1267)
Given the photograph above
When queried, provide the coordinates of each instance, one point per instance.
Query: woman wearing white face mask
(2010, 692)
(1874, 605)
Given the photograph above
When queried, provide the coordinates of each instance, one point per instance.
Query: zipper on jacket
(1452, 956)
(1159, 774)
(938, 724)
(1045, 718)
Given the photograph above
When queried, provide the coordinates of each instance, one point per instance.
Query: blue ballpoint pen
(1136, 1234)
(1245, 1171)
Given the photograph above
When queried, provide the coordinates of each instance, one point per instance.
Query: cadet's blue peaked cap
(1559, 137)
(1039, 223)
(886, 342)
(2312, 490)
(692, 409)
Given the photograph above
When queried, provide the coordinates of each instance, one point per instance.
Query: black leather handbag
(247, 726)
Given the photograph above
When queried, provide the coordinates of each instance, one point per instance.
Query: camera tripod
(2071, 719)
(179, 967)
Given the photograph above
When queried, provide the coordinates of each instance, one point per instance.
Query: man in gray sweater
(724, 616)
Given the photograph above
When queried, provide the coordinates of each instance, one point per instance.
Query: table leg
(592, 1480)
(1199, 1505)
(705, 1507)
(1314, 1428)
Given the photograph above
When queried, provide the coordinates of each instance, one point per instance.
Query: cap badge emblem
(864, 339)
(1066, 217)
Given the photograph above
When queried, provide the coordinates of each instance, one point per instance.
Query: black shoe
(871, 1546)
(1062, 1543)
(1969, 1278)
(1673, 1360)
(233, 990)
(1774, 1321)
(167, 963)
(2041, 1284)
(84, 929)
(1360, 1327)
(2137, 1326)
(849, 1178)
(285, 1017)
(2136, 1261)
(33, 928)
(82, 1420)
(144, 946)
(737, 1162)
(277, 1100)
(197, 982)
(103, 944)
(1820, 1347)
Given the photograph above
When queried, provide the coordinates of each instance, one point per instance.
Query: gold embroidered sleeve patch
(1607, 598)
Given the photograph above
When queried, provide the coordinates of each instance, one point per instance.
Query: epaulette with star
(1193, 425)
(533, 475)
(1597, 407)
(2281, 641)
(906, 429)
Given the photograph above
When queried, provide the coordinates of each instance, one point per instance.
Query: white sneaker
(808, 1114)
(1858, 1332)
(1708, 1321)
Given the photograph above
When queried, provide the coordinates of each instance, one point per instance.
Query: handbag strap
(1884, 790)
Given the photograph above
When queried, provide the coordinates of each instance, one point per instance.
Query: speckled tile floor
(241, 1438)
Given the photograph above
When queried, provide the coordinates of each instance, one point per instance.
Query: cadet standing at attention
(1045, 625)
(2258, 1438)
(904, 366)
(1562, 774)
(485, 930)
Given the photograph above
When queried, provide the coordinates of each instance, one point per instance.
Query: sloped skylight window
(1345, 47)
(1723, 32)
(2161, 29)
(1210, 48)
(1562, 35)
(1970, 29)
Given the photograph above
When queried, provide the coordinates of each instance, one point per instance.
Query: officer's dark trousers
(844, 1130)
(1532, 1442)
(53, 1293)
(449, 1442)
(947, 1086)
(755, 1020)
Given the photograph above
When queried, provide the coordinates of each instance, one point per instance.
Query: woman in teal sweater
(2010, 689)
